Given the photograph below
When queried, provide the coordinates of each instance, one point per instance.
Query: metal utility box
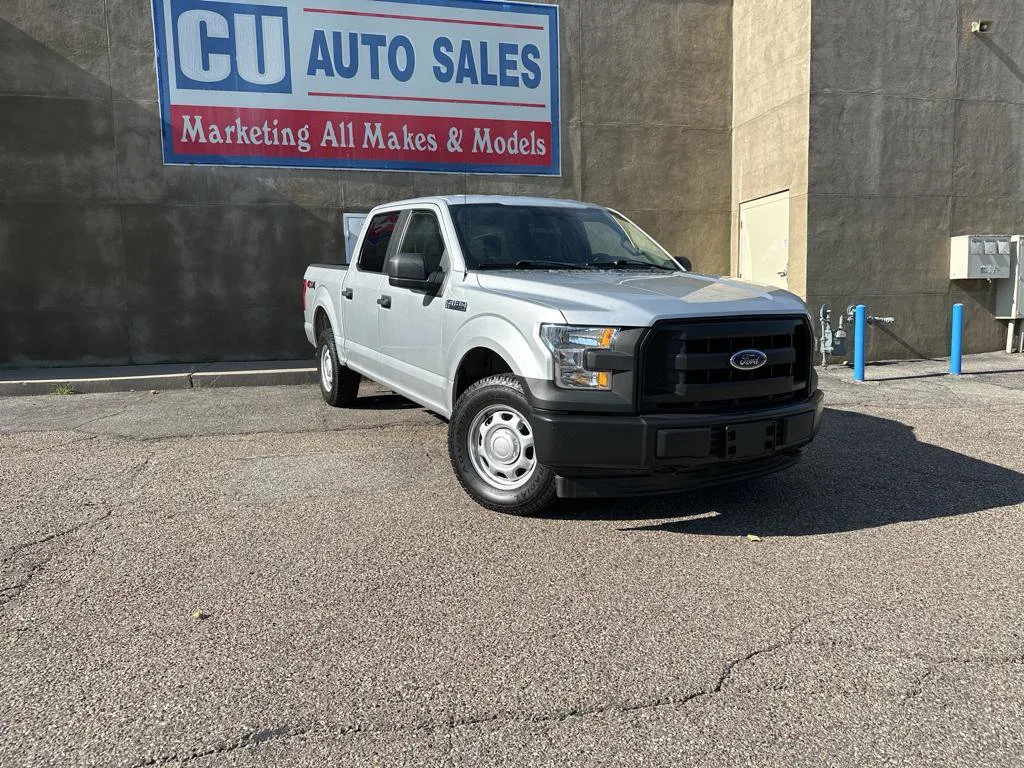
(1010, 293)
(977, 257)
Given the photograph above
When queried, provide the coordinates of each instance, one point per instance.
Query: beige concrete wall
(917, 135)
(771, 87)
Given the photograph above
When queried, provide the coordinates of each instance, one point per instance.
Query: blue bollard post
(956, 343)
(860, 324)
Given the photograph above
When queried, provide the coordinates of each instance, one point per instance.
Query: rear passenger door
(411, 343)
(361, 292)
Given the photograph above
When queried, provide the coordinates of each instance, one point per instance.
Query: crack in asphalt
(251, 739)
(41, 551)
(255, 738)
(49, 449)
(8, 594)
(664, 701)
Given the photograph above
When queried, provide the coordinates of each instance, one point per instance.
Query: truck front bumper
(617, 455)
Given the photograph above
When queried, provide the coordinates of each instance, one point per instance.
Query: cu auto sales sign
(404, 85)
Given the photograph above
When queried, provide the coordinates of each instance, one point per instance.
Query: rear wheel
(491, 445)
(338, 385)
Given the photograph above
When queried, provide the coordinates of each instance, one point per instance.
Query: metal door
(764, 240)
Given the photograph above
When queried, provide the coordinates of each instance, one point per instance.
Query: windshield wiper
(619, 263)
(528, 264)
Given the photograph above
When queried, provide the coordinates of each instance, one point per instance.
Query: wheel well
(320, 322)
(478, 364)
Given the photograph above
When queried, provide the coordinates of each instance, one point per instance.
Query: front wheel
(491, 445)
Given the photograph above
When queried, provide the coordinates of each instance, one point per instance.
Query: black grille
(686, 367)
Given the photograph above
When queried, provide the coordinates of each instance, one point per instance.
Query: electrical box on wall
(1010, 293)
(979, 257)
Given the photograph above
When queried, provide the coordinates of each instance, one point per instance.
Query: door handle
(784, 273)
(347, 293)
(385, 302)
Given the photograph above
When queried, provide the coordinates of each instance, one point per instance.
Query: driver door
(411, 320)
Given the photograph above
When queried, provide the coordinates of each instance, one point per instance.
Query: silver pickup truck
(572, 355)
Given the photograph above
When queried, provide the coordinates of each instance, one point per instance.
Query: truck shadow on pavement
(861, 472)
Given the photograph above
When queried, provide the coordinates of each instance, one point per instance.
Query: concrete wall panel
(771, 55)
(56, 149)
(990, 150)
(61, 273)
(981, 214)
(873, 245)
(54, 48)
(229, 257)
(659, 167)
(60, 256)
(65, 337)
(670, 42)
(212, 333)
(903, 47)
(881, 145)
(770, 152)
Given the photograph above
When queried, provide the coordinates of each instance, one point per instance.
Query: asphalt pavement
(246, 577)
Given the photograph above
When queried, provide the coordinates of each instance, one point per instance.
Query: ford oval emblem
(748, 359)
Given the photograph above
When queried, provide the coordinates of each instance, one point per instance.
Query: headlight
(568, 345)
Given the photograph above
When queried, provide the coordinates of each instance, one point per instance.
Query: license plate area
(745, 441)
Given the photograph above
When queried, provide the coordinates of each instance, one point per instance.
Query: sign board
(468, 86)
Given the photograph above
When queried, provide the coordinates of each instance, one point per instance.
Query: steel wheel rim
(501, 447)
(326, 369)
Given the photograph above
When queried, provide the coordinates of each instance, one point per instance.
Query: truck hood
(638, 299)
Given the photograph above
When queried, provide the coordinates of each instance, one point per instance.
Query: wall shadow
(1003, 56)
(861, 472)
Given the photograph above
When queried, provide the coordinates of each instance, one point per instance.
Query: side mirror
(409, 270)
(685, 262)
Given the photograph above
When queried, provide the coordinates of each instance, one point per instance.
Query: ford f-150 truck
(572, 355)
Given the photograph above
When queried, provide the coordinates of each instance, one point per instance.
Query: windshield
(495, 236)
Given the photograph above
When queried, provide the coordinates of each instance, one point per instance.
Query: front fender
(525, 356)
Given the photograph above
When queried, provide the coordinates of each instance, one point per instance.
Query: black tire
(483, 397)
(344, 382)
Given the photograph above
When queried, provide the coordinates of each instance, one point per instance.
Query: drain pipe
(956, 342)
(860, 322)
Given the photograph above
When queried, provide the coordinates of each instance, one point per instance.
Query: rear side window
(423, 235)
(375, 245)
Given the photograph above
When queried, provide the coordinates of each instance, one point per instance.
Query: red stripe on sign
(427, 99)
(423, 18)
(237, 132)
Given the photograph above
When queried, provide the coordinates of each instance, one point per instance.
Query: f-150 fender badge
(458, 306)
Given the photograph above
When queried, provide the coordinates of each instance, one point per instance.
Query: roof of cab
(494, 200)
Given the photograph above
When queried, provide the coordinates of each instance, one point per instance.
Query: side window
(423, 235)
(378, 237)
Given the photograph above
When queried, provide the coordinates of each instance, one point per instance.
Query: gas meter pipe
(956, 342)
(860, 322)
